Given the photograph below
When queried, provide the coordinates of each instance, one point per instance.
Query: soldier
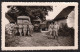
(56, 28)
(16, 29)
(25, 29)
(31, 29)
(20, 29)
(51, 26)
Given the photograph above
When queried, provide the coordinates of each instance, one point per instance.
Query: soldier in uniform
(16, 29)
(20, 29)
(56, 28)
(51, 26)
(30, 29)
(25, 29)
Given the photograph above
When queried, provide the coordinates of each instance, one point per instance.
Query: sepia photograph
(39, 26)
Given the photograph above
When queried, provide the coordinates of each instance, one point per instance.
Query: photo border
(42, 48)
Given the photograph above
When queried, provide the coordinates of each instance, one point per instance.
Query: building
(61, 18)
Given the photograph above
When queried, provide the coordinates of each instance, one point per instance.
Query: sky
(52, 14)
(56, 11)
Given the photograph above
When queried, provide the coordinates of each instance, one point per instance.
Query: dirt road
(41, 39)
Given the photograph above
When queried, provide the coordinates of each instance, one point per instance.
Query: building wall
(61, 22)
(70, 20)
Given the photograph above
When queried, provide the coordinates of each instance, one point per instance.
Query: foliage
(66, 31)
(33, 12)
(10, 38)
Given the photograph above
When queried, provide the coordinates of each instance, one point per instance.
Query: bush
(10, 38)
(66, 31)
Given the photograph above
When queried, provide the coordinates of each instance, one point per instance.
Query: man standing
(25, 29)
(51, 26)
(56, 28)
(20, 29)
(30, 29)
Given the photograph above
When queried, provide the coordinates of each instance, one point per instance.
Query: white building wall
(61, 22)
(70, 20)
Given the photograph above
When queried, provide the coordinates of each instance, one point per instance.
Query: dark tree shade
(33, 12)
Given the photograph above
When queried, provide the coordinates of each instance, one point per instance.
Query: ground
(41, 39)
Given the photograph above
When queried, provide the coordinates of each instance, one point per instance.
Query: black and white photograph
(39, 25)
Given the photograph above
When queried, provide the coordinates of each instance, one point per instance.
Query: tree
(33, 12)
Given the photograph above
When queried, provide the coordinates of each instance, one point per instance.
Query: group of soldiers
(14, 28)
(53, 29)
(27, 29)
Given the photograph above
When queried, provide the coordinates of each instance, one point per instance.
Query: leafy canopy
(34, 12)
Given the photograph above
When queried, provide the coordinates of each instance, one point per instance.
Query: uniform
(25, 29)
(20, 29)
(56, 28)
(51, 26)
(30, 29)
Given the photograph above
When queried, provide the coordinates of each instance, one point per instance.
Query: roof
(64, 13)
(37, 20)
(25, 17)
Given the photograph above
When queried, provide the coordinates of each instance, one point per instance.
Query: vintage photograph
(39, 26)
